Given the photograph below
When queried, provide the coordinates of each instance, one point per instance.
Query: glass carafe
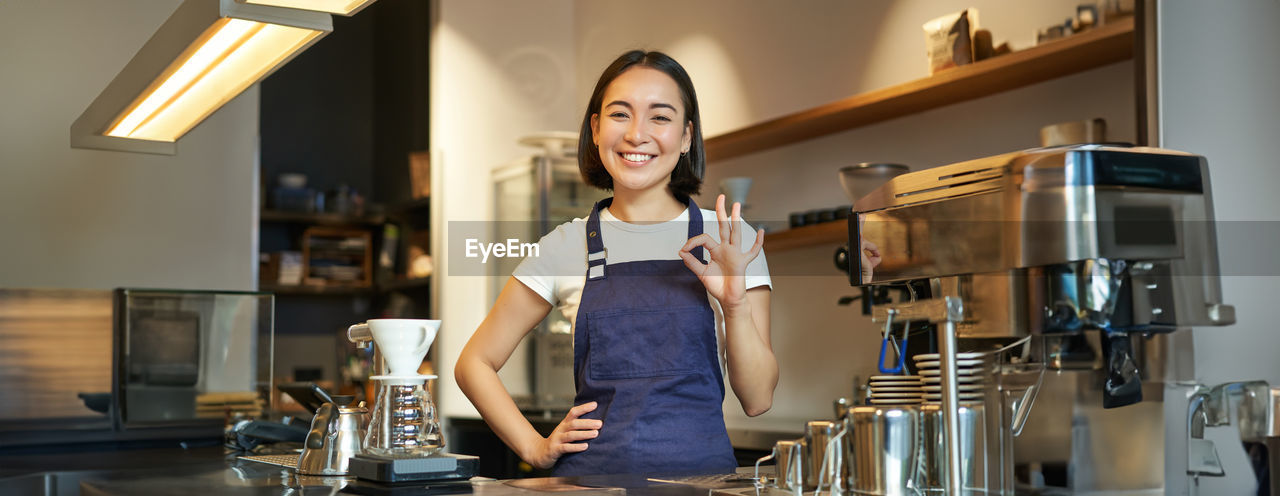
(404, 421)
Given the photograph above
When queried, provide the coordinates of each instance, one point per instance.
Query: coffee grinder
(403, 441)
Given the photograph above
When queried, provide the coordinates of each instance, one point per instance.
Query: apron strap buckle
(595, 264)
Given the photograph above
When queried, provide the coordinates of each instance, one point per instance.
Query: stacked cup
(896, 390)
(973, 373)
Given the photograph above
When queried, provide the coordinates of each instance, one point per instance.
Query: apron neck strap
(695, 228)
(595, 238)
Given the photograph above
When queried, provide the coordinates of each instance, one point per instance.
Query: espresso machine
(1078, 262)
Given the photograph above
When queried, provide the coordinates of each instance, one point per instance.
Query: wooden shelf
(400, 284)
(320, 219)
(411, 207)
(308, 290)
(1105, 45)
(803, 236)
(303, 289)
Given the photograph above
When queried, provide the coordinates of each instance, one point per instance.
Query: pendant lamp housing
(203, 56)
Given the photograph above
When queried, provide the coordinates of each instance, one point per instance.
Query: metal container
(817, 436)
(976, 451)
(858, 180)
(883, 450)
(1074, 132)
(336, 435)
(789, 464)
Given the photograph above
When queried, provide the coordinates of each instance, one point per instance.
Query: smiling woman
(660, 307)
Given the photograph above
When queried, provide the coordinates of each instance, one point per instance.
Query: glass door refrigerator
(532, 196)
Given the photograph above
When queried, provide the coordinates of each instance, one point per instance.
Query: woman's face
(640, 129)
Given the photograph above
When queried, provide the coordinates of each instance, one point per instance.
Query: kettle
(335, 437)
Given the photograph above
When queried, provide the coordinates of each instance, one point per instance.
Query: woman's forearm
(753, 369)
(517, 310)
(485, 390)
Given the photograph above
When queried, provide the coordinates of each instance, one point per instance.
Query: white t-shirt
(560, 271)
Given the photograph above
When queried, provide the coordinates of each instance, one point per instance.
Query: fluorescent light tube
(340, 7)
(229, 57)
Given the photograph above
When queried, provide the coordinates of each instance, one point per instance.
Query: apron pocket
(632, 344)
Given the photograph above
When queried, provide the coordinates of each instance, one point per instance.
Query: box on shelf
(949, 39)
(284, 268)
(337, 257)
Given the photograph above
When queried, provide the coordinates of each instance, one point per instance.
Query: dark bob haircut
(686, 178)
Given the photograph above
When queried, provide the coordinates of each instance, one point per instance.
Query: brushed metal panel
(57, 343)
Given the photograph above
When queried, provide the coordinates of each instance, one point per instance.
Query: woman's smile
(641, 130)
(636, 159)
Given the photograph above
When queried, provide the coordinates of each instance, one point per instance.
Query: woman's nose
(635, 133)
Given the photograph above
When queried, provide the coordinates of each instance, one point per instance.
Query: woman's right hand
(870, 259)
(563, 439)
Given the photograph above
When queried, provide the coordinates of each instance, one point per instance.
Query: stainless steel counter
(209, 471)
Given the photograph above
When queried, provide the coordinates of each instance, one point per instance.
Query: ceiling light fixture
(340, 7)
(204, 55)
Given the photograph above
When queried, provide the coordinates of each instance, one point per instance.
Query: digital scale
(437, 467)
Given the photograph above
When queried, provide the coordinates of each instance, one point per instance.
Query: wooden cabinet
(335, 256)
(326, 239)
(299, 242)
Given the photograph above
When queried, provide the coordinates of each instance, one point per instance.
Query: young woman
(659, 293)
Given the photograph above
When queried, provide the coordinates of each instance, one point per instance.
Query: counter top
(212, 471)
(751, 434)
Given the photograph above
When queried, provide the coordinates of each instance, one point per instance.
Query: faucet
(1202, 455)
(1210, 407)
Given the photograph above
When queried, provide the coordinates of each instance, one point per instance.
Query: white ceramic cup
(735, 189)
(403, 343)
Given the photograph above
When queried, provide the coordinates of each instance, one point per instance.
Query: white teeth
(637, 157)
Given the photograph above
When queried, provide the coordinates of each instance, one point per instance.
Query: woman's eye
(618, 115)
(662, 118)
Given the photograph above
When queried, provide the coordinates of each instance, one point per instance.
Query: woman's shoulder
(570, 232)
(578, 224)
(560, 251)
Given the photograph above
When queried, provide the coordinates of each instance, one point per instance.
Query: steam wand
(949, 311)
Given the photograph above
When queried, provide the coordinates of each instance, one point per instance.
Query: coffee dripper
(404, 420)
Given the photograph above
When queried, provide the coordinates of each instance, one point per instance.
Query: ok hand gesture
(725, 273)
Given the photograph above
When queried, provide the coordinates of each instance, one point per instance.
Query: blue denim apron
(644, 348)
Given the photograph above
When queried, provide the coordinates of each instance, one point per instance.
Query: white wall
(756, 61)
(74, 218)
(1218, 99)
(499, 70)
(749, 61)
